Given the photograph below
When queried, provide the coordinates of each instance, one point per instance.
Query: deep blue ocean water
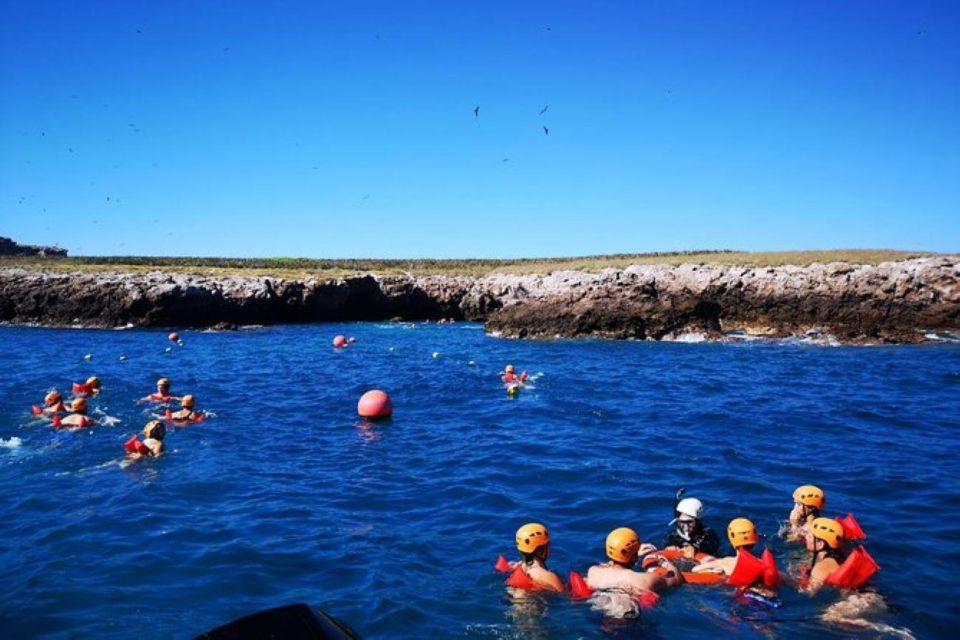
(287, 496)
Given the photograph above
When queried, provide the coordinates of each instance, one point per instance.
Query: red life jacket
(855, 570)
(133, 445)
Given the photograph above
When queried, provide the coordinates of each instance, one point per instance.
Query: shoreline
(890, 302)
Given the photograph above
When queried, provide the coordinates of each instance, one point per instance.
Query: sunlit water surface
(286, 496)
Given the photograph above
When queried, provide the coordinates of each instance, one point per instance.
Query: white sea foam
(12, 442)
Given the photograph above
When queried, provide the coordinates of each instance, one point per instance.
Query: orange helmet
(809, 495)
(93, 382)
(187, 401)
(52, 398)
(741, 532)
(623, 545)
(531, 537)
(79, 405)
(155, 429)
(830, 531)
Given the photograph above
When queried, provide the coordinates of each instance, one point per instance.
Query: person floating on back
(162, 394)
(530, 572)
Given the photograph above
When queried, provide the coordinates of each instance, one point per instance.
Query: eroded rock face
(891, 302)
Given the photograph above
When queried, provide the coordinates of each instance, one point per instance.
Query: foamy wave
(11, 443)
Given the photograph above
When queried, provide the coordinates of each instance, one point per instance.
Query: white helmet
(689, 507)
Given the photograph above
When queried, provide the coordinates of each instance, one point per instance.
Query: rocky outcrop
(10, 248)
(891, 302)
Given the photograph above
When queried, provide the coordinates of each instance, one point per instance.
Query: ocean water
(287, 496)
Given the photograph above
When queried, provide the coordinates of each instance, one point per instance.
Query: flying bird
(544, 110)
(505, 160)
(476, 111)
(546, 131)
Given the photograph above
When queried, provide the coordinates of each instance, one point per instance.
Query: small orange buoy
(374, 404)
(339, 342)
(174, 337)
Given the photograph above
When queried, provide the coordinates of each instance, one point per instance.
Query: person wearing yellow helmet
(53, 403)
(618, 574)
(533, 543)
(742, 534)
(808, 503)
(78, 418)
(186, 413)
(163, 394)
(824, 540)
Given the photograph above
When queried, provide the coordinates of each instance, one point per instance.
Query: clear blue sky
(347, 129)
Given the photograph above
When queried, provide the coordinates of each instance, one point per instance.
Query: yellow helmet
(163, 382)
(93, 382)
(79, 405)
(810, 496)
(155, 429)
(623, 544)
(828, 530)
(52, 398)
(509, 369)
(741, 532)
(187, 401)
(531, 537)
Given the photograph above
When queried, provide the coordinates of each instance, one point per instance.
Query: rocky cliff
(890, 302)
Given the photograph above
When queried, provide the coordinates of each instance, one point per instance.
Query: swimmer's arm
(550, 580)
(646, 548)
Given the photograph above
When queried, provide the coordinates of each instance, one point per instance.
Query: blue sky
(347, 129)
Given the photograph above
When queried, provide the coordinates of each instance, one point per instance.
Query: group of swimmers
(75, 414)
(639, 570)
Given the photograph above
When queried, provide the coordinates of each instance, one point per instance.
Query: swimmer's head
(623, 545)
(742, 533)
(155, 430)
(809, 495)
(52, 398)
(163, 384)
(188, 401)
(93, 382)
(533, 538)
(79, 405)
(828, 530)
(509, 369)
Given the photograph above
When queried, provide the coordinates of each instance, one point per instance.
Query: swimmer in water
(91, 387)
(824, 540)
(162, 394)
(79, 417)
(53, 403)
(808, 502)
(533, 543)
(742, 534)
(153, 435)
(623, 548)
(509, 374)
(691, 535)
(186, 412)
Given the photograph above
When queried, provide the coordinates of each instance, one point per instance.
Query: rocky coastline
(893, 302)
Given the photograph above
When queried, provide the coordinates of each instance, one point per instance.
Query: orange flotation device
(502, 565)
(851, 528)
(156, 397)
(518, 579)
(85, 421)
(703, 578)
(36, 410)
(135, 446)
(678, 554)
(508, 378)
(196, 417)
(855, 570)
(751, 570)
(82, 389)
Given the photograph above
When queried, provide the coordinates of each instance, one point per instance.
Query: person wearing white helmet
(691, 535)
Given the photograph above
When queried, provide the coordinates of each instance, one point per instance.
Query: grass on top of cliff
(304, 267)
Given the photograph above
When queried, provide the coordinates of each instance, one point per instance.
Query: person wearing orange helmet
(162, 394)
(53, 403)
(186, 413)
(78, 418)
(533, 543)
(808, 503)
(618, 574)
(824, 540)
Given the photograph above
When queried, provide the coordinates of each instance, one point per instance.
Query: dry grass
(305, 267)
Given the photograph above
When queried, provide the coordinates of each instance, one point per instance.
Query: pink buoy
(174, 337)
(339, 342)
(374, 404)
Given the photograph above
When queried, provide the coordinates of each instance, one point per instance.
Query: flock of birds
(546, 129)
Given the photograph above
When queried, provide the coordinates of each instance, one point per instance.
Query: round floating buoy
(174, 337)
(89, 356)
(168, 350)
(436, 354)
(339, 342)
(374, 404)
(123, 358)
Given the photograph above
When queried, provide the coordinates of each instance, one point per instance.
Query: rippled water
(285, 496)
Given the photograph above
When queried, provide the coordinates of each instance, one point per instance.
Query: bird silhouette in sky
(544, 110)
(505, 160)
(476, 111)
(546, 131)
